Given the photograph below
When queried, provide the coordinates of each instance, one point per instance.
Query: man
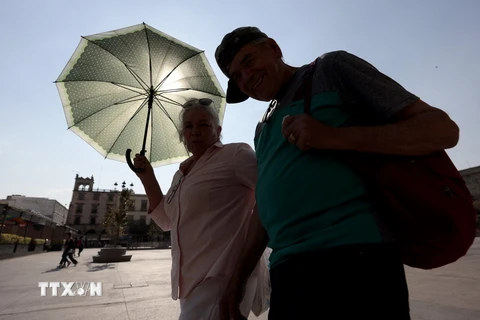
(79, 245)
(68, 251)
(332, 256)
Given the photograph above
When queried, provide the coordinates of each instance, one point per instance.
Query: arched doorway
(91, 239)
(103, 238)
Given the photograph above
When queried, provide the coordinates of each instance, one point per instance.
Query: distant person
(64, 261)
(79, 245)
(31, 245)
(68, 251)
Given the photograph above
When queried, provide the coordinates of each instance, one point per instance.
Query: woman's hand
(141, 162)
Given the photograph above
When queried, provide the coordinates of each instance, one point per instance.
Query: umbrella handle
(130, 163)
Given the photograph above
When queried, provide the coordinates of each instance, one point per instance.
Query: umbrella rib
(149, 53)
(139, 80)
(160, 105)
(90, 98)
(175, 90)
(138, 110)
(162, 108)
(109, 106)
(118, 137)
(169, 100)
(168, 90)
(168, 75)
(213, 94)
(128, 100)
(127, 88)
(121, 85)
(136, 77)
(163, 59)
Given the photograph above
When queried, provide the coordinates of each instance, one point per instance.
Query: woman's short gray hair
(204, 104)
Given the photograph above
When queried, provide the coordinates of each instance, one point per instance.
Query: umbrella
(123, 90)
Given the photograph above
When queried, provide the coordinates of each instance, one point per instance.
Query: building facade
(31, 224)
(47, 207)
(89, 206)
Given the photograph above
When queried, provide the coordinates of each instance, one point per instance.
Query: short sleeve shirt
(308, 200)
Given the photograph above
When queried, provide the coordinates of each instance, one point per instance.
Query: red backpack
(423, 200)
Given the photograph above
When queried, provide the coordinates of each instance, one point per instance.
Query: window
(94, 208)
(81, 196)
(110, 197)
(96, 196)
(144, 205)
(77, 220)
(143, 220)
(79, 208)
(132, 207)
(93, 220)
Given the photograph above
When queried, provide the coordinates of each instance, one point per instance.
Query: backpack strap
(306, 88)
(304, 91)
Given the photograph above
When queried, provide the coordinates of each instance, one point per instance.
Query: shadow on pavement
(96, 267)
(53, 270)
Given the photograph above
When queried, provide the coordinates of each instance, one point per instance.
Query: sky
(431, 47)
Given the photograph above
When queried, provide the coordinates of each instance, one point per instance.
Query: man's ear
(219, 131)
(275, 47)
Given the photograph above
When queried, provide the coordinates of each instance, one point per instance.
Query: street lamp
(124, 184)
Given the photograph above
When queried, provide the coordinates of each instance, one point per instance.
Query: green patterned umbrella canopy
(124, 89)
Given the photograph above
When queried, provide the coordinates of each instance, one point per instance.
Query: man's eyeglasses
(271, 109)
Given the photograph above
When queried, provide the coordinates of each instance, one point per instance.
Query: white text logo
(71, 289)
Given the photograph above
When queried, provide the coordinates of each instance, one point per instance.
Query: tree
(157, 234)
(116, 217)
(154, 232)
(137, 228)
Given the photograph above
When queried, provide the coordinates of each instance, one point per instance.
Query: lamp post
(118, 197)
(124, 184)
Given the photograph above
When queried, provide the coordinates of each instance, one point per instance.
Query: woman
(207, 208)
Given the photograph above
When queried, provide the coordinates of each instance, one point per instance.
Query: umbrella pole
(151, 95)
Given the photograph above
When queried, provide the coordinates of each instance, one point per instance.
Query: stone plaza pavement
(140, 289)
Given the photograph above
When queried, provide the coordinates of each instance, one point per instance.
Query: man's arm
(418, 129)
(407, 125)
